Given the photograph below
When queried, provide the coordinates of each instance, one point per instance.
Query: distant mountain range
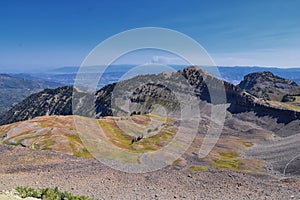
(234, 75)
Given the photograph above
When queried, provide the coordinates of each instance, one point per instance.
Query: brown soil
(38, 169)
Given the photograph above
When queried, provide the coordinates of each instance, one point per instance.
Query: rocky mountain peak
(192, 70)
(268, 86)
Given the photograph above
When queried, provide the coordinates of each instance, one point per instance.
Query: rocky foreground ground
(38, 169)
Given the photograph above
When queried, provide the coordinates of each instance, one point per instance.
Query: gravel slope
(282, 154)
(25, 167)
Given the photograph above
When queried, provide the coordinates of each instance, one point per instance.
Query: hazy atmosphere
(51, 34)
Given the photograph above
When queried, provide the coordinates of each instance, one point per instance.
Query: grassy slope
(58, 133)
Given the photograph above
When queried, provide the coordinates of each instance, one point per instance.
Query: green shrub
(48, 194)
(248, 144)
(228, 160)
(176, 162)
(198, 168)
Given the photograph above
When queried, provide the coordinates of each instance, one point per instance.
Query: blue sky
(49, 34)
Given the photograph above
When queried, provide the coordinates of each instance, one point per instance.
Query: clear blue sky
(43, 34)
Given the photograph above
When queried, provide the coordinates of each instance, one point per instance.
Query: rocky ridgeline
(14, 90)
(47, 102)
(140, 94)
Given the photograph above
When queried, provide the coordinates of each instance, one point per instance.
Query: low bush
(48, 194)
(198, 168)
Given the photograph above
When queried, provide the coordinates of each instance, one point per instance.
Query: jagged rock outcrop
(268, 86)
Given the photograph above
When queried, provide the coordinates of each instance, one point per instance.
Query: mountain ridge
(142, 97)
(13, 90)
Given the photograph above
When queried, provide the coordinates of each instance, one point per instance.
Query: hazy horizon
(63, 69)
(42, 35)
